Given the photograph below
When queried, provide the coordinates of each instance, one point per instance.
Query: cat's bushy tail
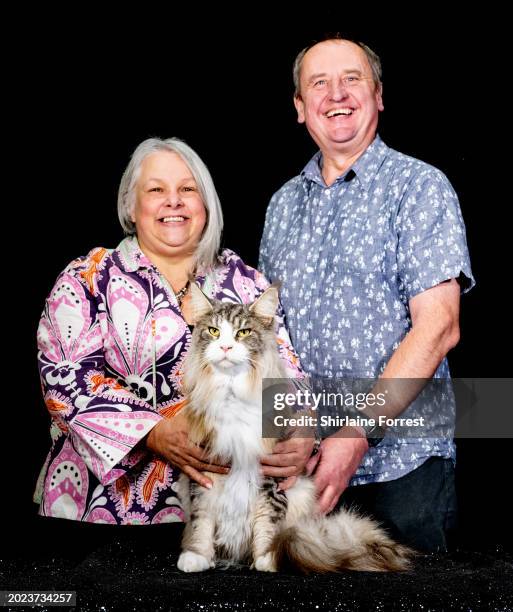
(343, 541)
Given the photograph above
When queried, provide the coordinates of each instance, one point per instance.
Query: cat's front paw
(265, 563)
(192, 562)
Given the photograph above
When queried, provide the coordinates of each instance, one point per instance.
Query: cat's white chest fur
(238, 437)
(237, 417)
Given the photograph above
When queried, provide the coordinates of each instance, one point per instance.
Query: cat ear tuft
(266, 305)
(200, 303)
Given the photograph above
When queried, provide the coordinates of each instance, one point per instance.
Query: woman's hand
(288, 460)
(170, 439)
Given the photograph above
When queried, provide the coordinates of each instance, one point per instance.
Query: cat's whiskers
(254, 363)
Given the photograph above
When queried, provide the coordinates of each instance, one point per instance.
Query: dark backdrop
(89, 92)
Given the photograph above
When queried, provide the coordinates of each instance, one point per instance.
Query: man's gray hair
(208, 246)
(372, 58)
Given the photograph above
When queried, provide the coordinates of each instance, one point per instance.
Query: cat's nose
(226, 348)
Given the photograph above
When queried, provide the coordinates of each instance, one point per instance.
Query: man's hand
(339, 460)
(170, 439)
(288, 460)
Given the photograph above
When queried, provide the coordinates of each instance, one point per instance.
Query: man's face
(338, 100)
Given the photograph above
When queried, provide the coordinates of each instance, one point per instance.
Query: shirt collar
(130, 255)
(131, 258)
(365, 167)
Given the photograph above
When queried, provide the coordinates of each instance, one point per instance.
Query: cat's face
(228, 335)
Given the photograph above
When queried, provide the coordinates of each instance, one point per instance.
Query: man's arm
(435, 331)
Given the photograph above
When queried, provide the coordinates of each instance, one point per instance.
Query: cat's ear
(266, 305)
(200, 304)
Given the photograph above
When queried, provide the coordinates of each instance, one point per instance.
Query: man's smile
(336, 112)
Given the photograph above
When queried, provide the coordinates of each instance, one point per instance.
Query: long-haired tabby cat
(243, 518)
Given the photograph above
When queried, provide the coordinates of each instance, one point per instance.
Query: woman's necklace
(179, 295)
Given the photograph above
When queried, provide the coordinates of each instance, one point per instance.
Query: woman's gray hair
(372, 58)
(208, 246)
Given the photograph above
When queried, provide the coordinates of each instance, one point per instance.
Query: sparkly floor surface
(127, 574)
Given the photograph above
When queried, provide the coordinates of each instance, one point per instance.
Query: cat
(244, 518)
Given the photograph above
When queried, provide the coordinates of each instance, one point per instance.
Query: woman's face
(169, 213)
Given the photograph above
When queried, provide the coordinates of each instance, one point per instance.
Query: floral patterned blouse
(112, 331)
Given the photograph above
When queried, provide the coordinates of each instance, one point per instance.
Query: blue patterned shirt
(350, 257)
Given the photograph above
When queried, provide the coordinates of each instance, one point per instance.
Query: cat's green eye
(242, 333)
(213, 331)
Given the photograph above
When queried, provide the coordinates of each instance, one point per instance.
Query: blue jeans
(419, 509)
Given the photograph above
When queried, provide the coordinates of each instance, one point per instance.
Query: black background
(86, 92)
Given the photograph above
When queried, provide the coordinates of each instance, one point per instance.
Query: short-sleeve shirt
(350, 256)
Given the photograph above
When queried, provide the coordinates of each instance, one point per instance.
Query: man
(369, 245)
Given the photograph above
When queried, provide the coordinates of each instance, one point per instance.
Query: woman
(112, 340)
